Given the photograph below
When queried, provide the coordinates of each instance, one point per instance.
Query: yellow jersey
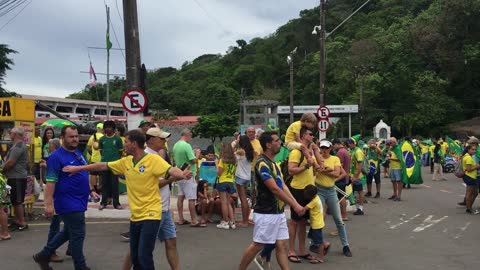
(468, 160)
(142, 184)
(316, 213)
(228, 173)
(292, 131)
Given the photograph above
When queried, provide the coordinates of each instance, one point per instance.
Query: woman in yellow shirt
(470, 168)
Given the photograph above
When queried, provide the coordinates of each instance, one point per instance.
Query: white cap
(156, 132)
(325, 143)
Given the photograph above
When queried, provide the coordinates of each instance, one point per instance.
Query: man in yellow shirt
(303, 176)
(357, 158)
(37, 155)
(395, 171)
(95, 156)
(142, 172)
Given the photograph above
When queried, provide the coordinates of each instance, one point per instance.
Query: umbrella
(429, 142)
(58, 123)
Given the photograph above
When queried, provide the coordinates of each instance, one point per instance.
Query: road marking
(445, 191)
(462, 230)
(427, 223)
(403, 221)
(445, 230)
(88, 222)
(423, 185)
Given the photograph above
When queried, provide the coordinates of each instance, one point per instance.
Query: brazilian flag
(454, 148)
(411, 164)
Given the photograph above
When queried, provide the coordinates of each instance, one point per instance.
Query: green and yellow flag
(411, 163)
(454, 148)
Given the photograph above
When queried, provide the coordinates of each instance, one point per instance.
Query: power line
(210, 16)
(1, 28)
(9, 9)
(118, 11)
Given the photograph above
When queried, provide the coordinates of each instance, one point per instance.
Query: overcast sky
(52, 36)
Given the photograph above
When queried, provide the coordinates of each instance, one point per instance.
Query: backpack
(287, 178)
(459, 172)
(366, 166)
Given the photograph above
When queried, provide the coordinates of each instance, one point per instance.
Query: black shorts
(36, 171)
(341, 185)
(299, 196)
(19, 186)
(358, 186)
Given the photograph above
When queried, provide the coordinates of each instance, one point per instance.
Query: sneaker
(368, 194)
(223, 225)
(377, 195)
(22, 228)
(260, 262)
(392, 197)
(125, 235)
(358, 212)
(42, 262)
(397, 199)
(101, 207)
(232, 225)
(347, 252)
(462, 203)
(13, 226)
(472, 211)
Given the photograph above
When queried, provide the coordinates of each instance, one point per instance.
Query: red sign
(134, 101)
(323, 125)
(323, 112)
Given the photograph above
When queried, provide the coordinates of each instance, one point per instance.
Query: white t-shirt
(244, 167)
(165, 190)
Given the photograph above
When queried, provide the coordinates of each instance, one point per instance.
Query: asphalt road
(427, 230)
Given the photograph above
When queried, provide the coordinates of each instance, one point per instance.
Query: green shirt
(183, 153)
(110, 147)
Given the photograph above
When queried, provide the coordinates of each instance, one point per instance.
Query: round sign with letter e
(134, 101)
(323, 125)
(323, 112)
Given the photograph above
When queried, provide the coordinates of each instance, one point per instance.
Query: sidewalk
(112, 213)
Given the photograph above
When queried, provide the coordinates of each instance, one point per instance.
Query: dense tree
(5, 64)
(416, 64)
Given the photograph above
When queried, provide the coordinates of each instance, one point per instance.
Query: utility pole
(322, 51)
(108, 63)
(290, 63)
(132, 58)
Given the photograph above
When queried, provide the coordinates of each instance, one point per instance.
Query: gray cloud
(51, 36)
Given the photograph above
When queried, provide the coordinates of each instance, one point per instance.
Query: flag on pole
(454, 148)
(93, 76)
(109, 43)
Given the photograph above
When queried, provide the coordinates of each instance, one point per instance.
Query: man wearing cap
(184, 155)
(144, 126)
(373, 156)
(356, 175)
(95, 156)
(325, 182)
(111, 149)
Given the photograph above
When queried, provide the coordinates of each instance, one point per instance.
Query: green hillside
(417, 62)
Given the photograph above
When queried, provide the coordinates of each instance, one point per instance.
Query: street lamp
(290, 63)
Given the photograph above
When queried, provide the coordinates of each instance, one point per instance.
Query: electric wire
(11, 8)
(3, 26)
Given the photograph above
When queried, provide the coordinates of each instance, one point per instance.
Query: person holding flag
(356, 175)
(373, 157)
(395, 170)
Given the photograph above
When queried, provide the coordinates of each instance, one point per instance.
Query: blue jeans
(74, 232)
(329, 198)
(55, 228)
(142, 243)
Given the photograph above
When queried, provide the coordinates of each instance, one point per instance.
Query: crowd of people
(319, 176)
